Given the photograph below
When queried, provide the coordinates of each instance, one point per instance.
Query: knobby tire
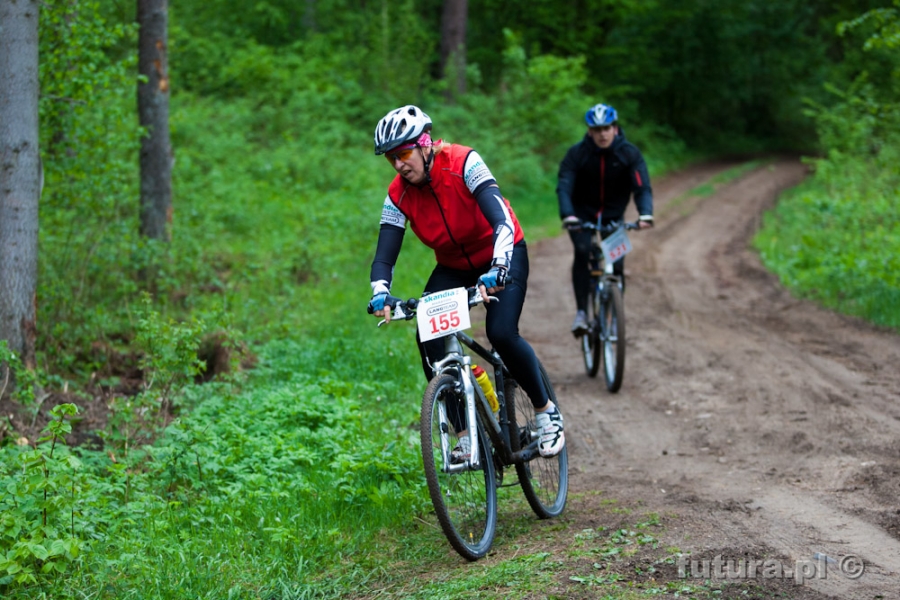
(465, 502)
(545, 481)
(590, 341)
(612, 337)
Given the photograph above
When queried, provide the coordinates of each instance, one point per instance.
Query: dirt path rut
(765, 423)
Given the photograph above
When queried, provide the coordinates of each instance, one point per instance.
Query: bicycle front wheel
(465, 502)
(590, 341)
(545, 481)
(612, 336)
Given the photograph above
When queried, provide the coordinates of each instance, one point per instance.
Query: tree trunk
(153, 112)
(453, 46)
(20, 175)
(309, 17)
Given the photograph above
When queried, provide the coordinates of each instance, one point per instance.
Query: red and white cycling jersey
(448, 218)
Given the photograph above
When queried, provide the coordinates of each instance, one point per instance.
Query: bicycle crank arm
(526, 454)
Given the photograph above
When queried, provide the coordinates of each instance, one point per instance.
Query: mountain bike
(464, 494)
(604, 341)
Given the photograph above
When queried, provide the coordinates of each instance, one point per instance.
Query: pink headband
(423, 141)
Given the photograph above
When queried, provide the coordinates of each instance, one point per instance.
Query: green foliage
(38, 536)
(721, 74)
(351, 49)
(89, 141)
(169, 362)
(169, 351)
(14, 377)
(270, 482)
(544, 27)
(887, 24)
(835, 239)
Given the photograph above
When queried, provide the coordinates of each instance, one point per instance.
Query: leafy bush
(837, 238)
(38, 535)
(308, 459)
(15, 377)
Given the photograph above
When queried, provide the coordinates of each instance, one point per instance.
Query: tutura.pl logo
(819, 567)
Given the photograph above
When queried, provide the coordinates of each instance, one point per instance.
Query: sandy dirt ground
(765, 424)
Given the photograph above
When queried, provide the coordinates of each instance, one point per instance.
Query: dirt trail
(766, 424)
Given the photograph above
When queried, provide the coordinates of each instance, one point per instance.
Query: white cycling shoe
(462, 452)
(580, 324)
(550, 429)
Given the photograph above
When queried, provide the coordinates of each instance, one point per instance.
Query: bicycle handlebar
(609, 227)
(406, 309)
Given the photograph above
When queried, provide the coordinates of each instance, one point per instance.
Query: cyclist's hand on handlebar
(645, 222)
(381, 305)
(492, 281)
(572, 223)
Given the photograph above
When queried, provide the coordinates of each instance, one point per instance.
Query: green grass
(836, 239)
(273, 481)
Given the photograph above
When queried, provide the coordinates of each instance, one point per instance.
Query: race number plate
(443, 313)
(615, 246)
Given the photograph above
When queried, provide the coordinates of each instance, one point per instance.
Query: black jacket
(595, 184)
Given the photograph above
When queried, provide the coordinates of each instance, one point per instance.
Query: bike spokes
(545, 481)
(590, 341)
(465, 500)
(613, 338)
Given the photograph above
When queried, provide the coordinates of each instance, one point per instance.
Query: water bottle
(487, 387)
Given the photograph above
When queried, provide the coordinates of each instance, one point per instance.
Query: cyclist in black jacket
(596, 178)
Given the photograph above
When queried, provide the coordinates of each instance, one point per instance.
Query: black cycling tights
(501, 326)
(581, 272)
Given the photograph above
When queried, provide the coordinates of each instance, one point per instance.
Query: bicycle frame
(606, 271)
(464, 494)
(455, 359)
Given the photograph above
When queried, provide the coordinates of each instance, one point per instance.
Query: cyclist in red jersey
(451, 201)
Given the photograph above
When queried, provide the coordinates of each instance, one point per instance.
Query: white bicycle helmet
(600, 114)
(399, 126)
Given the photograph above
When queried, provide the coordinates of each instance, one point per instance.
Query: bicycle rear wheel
(590, 341)
(465, 502)
(612, 336)
(545, 481)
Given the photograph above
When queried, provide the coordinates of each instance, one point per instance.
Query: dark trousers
(581, 270)
(501, 324)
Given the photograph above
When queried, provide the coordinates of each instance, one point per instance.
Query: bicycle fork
(456, 360)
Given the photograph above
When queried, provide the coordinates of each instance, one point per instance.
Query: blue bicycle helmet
(600, 115)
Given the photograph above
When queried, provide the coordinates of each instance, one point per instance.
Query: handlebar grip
(389, 302)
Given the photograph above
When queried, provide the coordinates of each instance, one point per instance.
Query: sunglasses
(402, 154)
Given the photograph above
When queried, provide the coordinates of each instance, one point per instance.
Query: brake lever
(401, 314)
(477, 298)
